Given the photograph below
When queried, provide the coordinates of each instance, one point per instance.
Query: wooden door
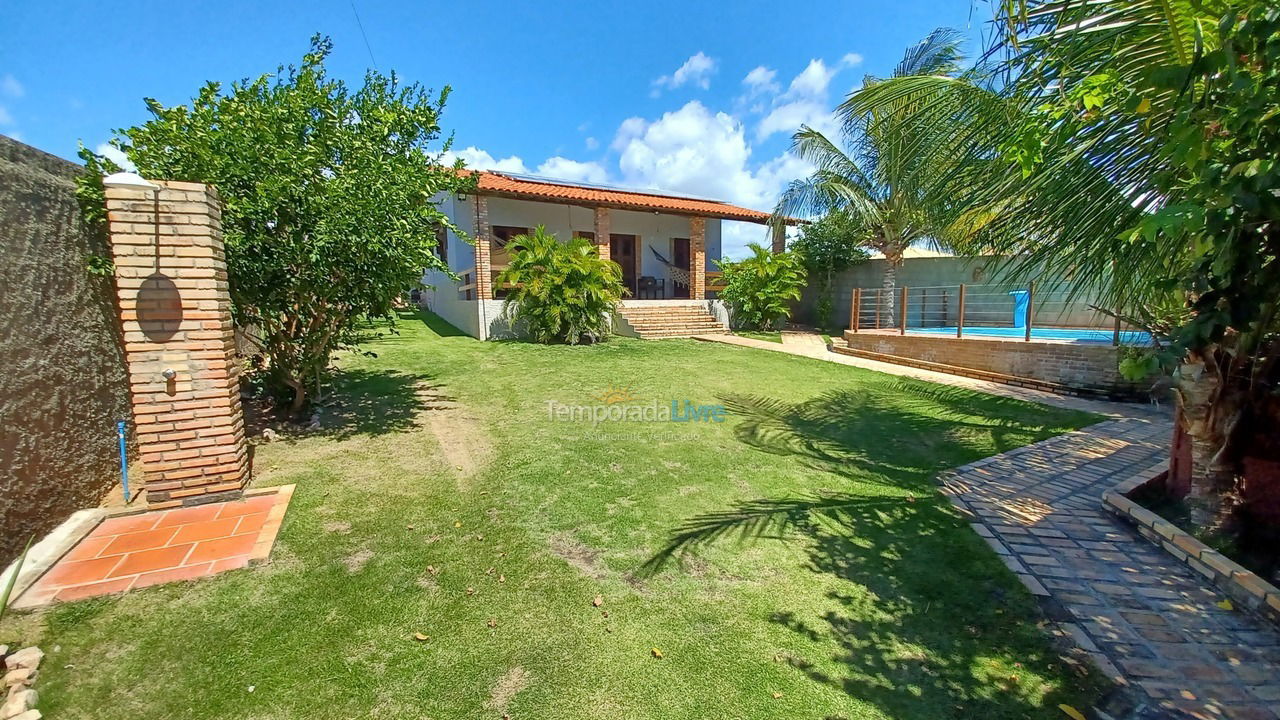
(622, 250)
(680, 258)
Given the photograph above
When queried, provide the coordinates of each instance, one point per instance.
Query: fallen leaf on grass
(598, 601)
(656, 653)
(421, 637)
(1071, 712)
(471, 591)
(457, 523)
(777, 695)
(502, 578)
(493, 622)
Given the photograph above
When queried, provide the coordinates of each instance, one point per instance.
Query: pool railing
(986, 310)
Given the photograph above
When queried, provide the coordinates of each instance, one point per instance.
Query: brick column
(698, 258)
(779, 238)
(601, 230)
(175, 309)
(484, 242)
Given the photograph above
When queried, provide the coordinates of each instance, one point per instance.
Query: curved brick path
(1147, 620)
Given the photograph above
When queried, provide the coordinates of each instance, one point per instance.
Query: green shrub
(759, 290)
(560, 292)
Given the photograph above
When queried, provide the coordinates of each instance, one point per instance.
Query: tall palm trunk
(889, 287)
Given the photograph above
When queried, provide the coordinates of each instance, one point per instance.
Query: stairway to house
(652, 322)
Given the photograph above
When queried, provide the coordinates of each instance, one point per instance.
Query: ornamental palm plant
(560, 292)
(863, 177)
(1128, 144)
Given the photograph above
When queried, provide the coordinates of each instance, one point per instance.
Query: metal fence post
(879, 302)
(902, 313)
(1031, 305)
(960, 309)
(855, 310)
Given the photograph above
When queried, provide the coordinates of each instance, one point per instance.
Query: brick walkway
(128, 552)
(1149, 622)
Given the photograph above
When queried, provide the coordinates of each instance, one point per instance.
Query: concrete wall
(933, 296)
(63, 384)
(1075, 365)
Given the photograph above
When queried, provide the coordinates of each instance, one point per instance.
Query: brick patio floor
(1147, 620)
(127, 552)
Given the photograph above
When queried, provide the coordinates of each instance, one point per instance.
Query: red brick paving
(135, 551)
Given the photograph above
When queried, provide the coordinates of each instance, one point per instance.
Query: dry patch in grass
(356, 561)
(584, 559)
(465, 445)
(515, 680)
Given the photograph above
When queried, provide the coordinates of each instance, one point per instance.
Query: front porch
(662, 256)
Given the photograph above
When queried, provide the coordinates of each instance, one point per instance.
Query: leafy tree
(560, 292)
(827, 246)
(1131, 143)
(327, 192)
(760, 289)
(865, 177)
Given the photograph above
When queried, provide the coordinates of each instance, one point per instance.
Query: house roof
(529, 187)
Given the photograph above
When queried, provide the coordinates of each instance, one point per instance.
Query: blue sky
(686, 96)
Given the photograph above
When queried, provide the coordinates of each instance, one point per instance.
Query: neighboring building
(665, 244)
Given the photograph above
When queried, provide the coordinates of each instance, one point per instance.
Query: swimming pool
(1073, 335)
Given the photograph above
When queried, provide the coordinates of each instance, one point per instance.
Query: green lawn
(795, 561)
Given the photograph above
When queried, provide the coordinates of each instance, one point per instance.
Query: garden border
(1241, 585)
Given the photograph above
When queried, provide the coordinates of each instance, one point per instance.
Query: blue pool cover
(1079, 335)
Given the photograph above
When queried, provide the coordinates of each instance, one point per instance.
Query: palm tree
(1104, 140)
(864, 178)
(560, 292)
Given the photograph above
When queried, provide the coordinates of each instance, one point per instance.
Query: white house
(665, 244)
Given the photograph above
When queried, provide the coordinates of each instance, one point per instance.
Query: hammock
(679, 275)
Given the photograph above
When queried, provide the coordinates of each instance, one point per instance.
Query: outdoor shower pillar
(175, 311)
(600, 229)
(484, 243)
(698, 258)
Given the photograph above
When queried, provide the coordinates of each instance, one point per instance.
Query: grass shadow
(930, 623)
(365, 402)
(893, 431)
(434, 322)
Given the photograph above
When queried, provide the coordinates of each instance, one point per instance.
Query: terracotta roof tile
(551, 190)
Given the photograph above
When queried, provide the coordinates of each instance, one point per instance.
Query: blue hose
(124, 461)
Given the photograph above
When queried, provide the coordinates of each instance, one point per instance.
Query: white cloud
(806, 101)
(697, 70)
(705, 153)
(5, 117)
(478, 159)
(592, 143)
(761, 80)
(13, 134)
(572, 170)
(115, 155)
(10, 86)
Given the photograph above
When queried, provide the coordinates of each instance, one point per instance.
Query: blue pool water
(1077, 335)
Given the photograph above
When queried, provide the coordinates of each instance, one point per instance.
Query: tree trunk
(299, 401)
(1212, 498)
(889, 287)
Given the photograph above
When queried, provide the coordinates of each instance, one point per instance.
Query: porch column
(698, 258)
(601, 230)
(484, 241)
(779, 238)
(175, 311)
